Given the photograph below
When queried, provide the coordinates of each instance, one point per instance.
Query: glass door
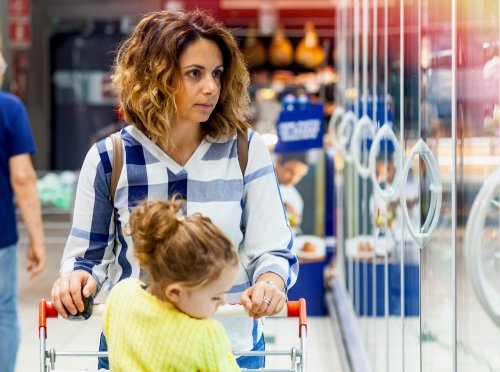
(478, 186)
(418, 139)
(426, 198)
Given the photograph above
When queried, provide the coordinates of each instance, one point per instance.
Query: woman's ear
(173, 292)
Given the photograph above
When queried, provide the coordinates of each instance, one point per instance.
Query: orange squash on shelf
(253, 49)
(281, 49)
(309, 53)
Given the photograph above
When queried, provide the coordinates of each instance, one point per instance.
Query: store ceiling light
(173, 5)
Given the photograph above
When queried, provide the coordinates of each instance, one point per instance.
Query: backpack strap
(242, 139)
(116, 171)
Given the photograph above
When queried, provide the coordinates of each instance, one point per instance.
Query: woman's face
(201, 68)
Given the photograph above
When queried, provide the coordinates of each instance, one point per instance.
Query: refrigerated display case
(421, 274)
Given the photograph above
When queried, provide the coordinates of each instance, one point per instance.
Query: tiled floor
(66, 335)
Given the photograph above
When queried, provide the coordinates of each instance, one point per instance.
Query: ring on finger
(267, 300)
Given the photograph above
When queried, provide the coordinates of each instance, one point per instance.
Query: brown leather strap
(116, 171)
(243, 150)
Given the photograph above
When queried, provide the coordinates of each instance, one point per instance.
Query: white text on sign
(299, 130)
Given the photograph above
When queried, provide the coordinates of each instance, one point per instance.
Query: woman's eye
(194, 73)
(217, 74)
(215, 298)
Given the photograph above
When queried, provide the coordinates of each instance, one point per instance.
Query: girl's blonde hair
(174, 249)
(147, 71)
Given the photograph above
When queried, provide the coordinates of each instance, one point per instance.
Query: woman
(182, 85)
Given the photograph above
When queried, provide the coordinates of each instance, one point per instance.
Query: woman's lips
(205, 105)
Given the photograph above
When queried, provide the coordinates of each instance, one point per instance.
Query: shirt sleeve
(268, 241)
(215, 354)
(91, 241)
(21, 141)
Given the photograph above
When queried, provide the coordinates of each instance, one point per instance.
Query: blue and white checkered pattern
(212, 183)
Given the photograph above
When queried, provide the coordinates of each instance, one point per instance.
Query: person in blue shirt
(17, 179)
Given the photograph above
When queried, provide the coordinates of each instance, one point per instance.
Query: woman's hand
(67, 292)
(266, 297)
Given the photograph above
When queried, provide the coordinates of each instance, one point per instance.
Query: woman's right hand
(67, 292)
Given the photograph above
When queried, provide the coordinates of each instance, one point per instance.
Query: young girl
(189, 265)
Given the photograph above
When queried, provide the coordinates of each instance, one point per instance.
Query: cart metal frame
(298, 357)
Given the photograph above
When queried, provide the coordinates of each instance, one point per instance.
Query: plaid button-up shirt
(212, 184)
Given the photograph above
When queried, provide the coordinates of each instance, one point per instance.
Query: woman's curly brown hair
(173, 249)
(147, 71)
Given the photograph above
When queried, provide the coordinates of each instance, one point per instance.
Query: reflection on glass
(490, 243)
(443, 316)
(479, 155)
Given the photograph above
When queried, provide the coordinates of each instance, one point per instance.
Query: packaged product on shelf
(57, 189)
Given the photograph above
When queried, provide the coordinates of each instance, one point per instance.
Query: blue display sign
(381, 107)
(300, 129)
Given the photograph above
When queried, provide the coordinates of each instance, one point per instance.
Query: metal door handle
(487, 295)
(363, 125)
(348, 122)
(388, 193)
(423, 234)
(333, 125)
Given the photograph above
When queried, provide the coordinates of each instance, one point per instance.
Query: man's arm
(23, 180)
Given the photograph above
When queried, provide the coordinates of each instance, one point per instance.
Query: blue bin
(310, 285)
(363, 292)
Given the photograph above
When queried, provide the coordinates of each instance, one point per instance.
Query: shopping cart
(293, 309)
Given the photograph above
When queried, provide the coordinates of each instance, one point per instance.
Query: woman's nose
(210, 85)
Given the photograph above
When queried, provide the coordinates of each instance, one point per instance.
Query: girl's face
(203, 302)
(201, 68)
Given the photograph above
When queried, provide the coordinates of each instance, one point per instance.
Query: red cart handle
(293, 309)
(45, 310)
(299, 309)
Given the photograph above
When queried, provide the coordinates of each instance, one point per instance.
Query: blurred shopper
(290, 172)
(189, 264)
(17, 178)
(388, 215)
(183, 87)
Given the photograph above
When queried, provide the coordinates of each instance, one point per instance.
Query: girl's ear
(173, 292)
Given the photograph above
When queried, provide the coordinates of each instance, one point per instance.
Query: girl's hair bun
(172, 248)
(153, 223)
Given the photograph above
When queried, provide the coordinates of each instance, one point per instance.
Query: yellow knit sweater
(146, 334)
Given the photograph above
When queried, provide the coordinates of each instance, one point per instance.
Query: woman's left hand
(264, 298)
